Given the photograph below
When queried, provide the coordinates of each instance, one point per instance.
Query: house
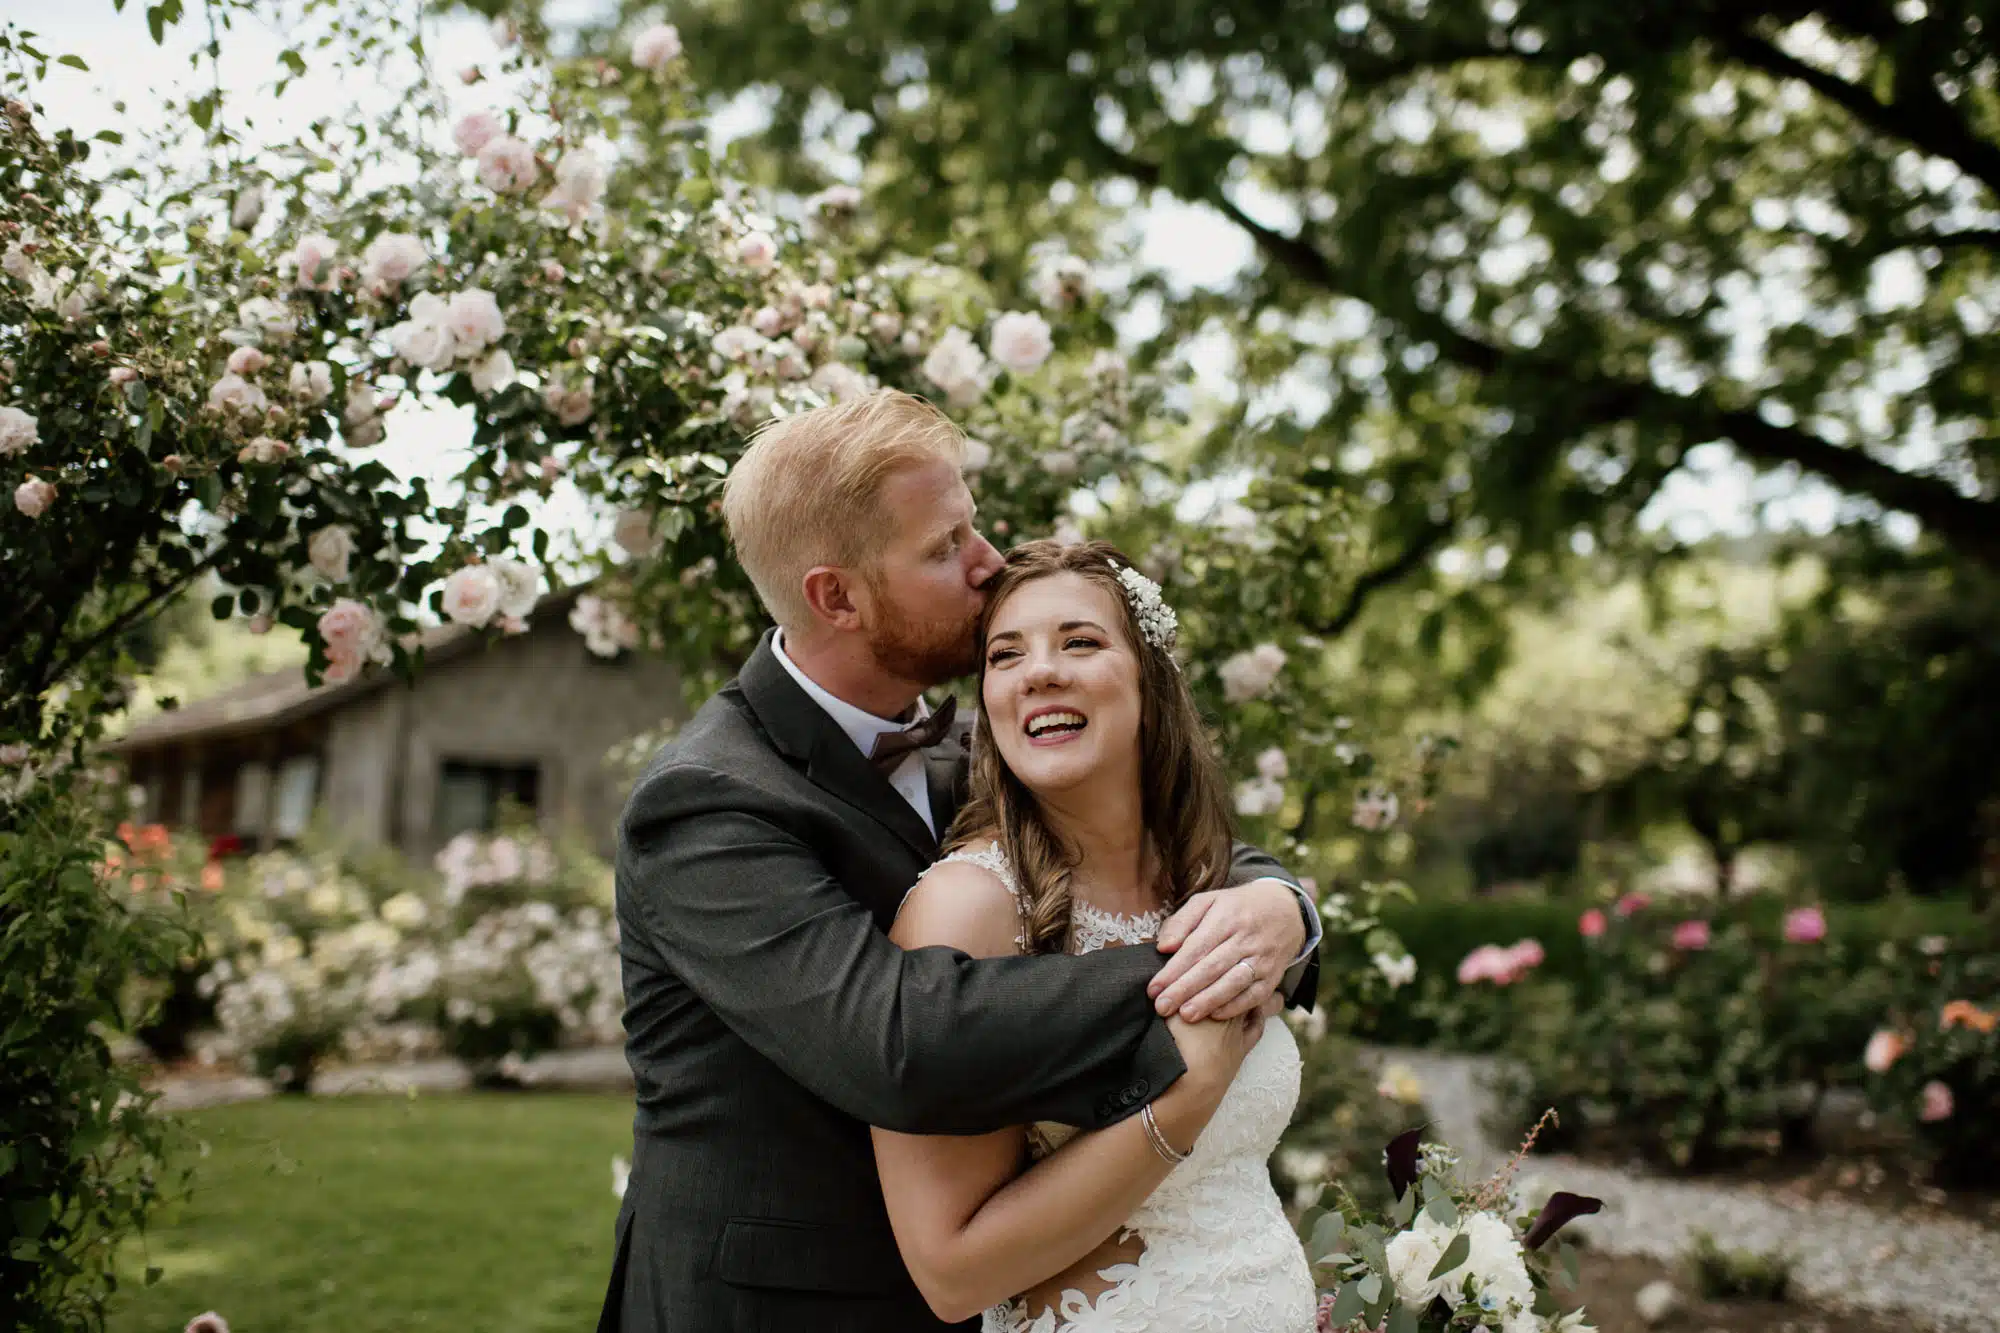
(528, 718)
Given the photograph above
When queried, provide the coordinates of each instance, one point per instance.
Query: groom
(763, 854)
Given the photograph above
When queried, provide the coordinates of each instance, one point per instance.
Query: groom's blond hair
(807, 491)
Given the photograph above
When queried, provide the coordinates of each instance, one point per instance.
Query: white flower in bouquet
(956, 365)
(311, 381)
(1412, 1255)
(475, 130)
(268, 318)
(507, 165)
(329, 552)
(471, 596)
(656, 47)
(1021, 341)
(312, 258)
(19, 431)
(390, 260)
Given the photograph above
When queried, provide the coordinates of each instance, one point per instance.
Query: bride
(1096, 809)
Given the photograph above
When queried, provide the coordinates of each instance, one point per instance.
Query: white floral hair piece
(1157, 621)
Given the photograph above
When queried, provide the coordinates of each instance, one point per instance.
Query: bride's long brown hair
(1185, 812)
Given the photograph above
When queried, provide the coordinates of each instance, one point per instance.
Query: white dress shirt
(863, 727)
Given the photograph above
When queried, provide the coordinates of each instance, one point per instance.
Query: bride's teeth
(1047, 721)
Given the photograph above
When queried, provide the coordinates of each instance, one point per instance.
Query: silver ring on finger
(1245, 962)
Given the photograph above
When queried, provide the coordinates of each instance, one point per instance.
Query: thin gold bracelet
(1166, 1150)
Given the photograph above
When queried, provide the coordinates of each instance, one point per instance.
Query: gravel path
(1943, 1272)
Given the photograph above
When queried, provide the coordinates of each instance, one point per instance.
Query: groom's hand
(1230, 950)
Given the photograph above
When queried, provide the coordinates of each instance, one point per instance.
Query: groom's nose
(985, 562)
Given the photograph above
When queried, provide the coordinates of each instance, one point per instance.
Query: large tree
(1515, 261)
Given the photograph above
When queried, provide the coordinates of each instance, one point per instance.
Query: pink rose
(313, 257)
(122, 374)
(1805, 925)
(1489, 962)
(349, 626)
(1938, 1104)
(1020, 341)
(1632, 903)
(471, 596)
(1691, 935)
(33, 497)
(475, 131)
(757, 251)
(247, 361)
(1526, 954)
(658, 45)
(210, 1322)
(1884, 1049)
(1592, 924)
(507, 166)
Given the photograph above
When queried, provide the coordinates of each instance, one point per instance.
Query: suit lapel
(803, 732)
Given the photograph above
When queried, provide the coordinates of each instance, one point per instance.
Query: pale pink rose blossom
(1526, 954)
(757, 251)
(329, 552)
(1937, 1104)
(207, 1322)
(121, 374)
(816, 296)
(1020, 341)
(581, 177)
(247, 361)
(311, 381)
(1690, 936)
(518, 588)
(1632, 903)
(553, 271)
(507, 165)
(313, 258)
(1805, 925)
(656, 47)
(836, 199)
(475, 130)
(14, 754)
(471, 596)
(350, 627)
(769, 321)
(494, 373)
(475, 321)
(18, 431)
(633, 532)
(426, 338)
(233, 391)
(551, 469)
(572, 405)
(1883, 1050)
(469, 75)
(1591, 925)
(956, 365)
(1488, 962)
(264, 449)
(33, 497)
(390, 260)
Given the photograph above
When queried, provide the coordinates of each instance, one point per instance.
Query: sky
(1713, 492)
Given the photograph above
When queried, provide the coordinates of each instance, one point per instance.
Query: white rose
(978, 454)
(738, 342)
(1412, 1255)
(956, 365)
(1059, 463)
(313, 258)
(271, 318)
(1021, 341)
(518, 588)
(32, 497)
(18, 263)
(1398, 972)
(248, 208)
(247, 361)
(329, 551)
(77, 304)
(18, 431)
(757, 251)
(474, 319)
(1062, 283)
(1247, 675)
(886, 325)
(471, 596)
(425, 339)
(361, 404)
(233, 391)
(841, 383)
(1259, 796)
(507, 166)
(495, 373)
(312, 381)
(656, 47)
(580, 180)
(1273, 765)
(633, 532)
(572, 405)
(390, 259)
(475, 130)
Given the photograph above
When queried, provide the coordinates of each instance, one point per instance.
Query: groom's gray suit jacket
(769, 1022)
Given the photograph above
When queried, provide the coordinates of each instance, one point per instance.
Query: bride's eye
(1082, 641)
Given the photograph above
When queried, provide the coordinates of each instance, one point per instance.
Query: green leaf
(1441, 1209)
(1369, 1288)
(1566, 1255)
(1326, 1233)
(1402, 1319)
(202, 111)
(74, 62)
(156, 23)
(1454, 1255)
(1347, 1304)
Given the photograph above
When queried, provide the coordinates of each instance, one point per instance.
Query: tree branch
(1405, 563)
(1931, 127)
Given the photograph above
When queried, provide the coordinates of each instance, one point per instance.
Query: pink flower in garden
(1691, 935)
(1526, 954)
(1805, 925)
(1592, 924)
(33, 497)
(1884, 1049)
(475, 131)
(247, 361)
(211, 1322)
(1020, 341)
(1937, 1103)
(757, 251)
(507, 166)
(656, 46)
(471, 596)
(312, 259)
(1632, 903)
(1482, 964)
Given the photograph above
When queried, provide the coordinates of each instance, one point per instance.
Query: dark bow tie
(892, 746)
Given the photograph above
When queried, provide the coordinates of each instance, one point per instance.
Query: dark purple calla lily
(1561, 1209)
(1400, 1159)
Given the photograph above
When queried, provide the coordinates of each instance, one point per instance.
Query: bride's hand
(1214, 1048)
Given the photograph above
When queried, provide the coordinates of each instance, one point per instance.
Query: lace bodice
(1220, 1255)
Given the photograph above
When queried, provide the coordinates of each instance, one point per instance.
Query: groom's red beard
(930, 652)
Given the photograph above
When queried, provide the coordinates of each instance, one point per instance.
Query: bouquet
(1444, 1256)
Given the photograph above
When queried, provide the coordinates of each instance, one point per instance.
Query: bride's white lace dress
(1220, 1256)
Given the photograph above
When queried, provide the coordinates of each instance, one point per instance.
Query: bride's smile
(1062, 685)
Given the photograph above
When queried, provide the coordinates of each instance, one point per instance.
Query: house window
(253, 791)
(471, 794)
(293, 794)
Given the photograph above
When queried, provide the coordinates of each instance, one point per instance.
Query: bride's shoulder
(964, 902)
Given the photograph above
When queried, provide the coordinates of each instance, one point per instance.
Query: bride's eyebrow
(1069, 625)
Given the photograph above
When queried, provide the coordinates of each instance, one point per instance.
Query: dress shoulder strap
(989, 857)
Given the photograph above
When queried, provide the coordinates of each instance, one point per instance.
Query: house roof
(276, 698)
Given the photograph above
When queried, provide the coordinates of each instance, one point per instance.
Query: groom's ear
(830, 592)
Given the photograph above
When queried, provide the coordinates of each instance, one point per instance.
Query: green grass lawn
(373, 1215)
